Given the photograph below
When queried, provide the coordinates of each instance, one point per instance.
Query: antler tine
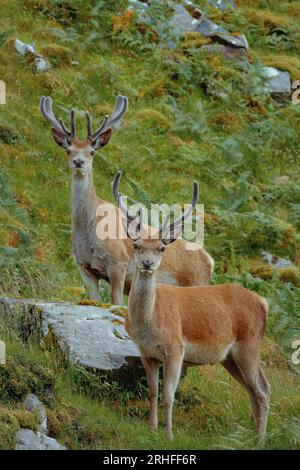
(114, 119)
(88, 124)
(64, 128)
(118, 196)
(185, 215)
(47, 112)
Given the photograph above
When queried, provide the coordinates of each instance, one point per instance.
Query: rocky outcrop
(93, 337)
(187, 18)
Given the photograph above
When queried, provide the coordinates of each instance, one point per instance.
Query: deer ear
(60, 138)
(102, 140)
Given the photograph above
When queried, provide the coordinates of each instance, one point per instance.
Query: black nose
(147, 264)
(78, 163)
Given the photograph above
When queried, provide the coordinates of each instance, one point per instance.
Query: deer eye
(68, 151)
(162, 248)
(136, 246)
(93, 152)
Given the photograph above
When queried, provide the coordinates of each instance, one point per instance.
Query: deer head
(148, 252)
(81, 152)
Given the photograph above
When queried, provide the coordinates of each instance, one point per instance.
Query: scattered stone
(230, 40)
(275, 261)
(277, 81)
(40, 64)
(223, 5)
(239, 54)
(29, 440)
(23, 48)
(138, 6)
(32, 403)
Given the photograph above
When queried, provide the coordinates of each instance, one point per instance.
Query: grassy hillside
(191, 116)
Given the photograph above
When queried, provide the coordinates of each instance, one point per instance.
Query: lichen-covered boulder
(91, 336)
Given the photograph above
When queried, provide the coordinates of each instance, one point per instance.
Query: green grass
(86, 412)
(190, 116)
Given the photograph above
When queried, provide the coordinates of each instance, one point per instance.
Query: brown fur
(196, 325)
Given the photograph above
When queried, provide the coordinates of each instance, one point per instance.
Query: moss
(9, 426)
(264, 271)
(194, 40)
(123, 21)
(157, 88)
(153, 119)
(267, 19)
(8, 135)
(227, 121)
(293, 9)
(282, 62)
(11, 420)
(20, 377)
(94, 303)
(58, 420)
(57, 55)
(119, 311)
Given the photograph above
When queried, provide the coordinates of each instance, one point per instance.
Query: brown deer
(192, 325)
(111, 258)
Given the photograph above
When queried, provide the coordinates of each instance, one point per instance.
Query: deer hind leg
(117, 281)
(152, 372)
(248, 361)
(172, 365)
(233, 370)
(91, 283)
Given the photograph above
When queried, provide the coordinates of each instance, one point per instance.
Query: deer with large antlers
(192, 325)
(111, 259)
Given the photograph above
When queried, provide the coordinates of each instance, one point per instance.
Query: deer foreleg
(152, 372)
(173, 358)
(91, 283)
(117, 281)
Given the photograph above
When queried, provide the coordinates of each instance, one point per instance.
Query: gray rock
(23, 48)
(223, 5)
(137, 6)
(94, 337)
(230, 40)
(239, 54)
(29, 440)
(218, 34)
(32, 403)
(181, 22)
(277, 81)
(40, 64)
(275, 261)
(91, 336)
(208, 28)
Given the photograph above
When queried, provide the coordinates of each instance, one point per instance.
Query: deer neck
(83, 202)
(141, 300)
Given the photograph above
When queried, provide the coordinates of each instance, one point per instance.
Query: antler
(109, 122)
(119, 198)
(58, 124)
(178, 223)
